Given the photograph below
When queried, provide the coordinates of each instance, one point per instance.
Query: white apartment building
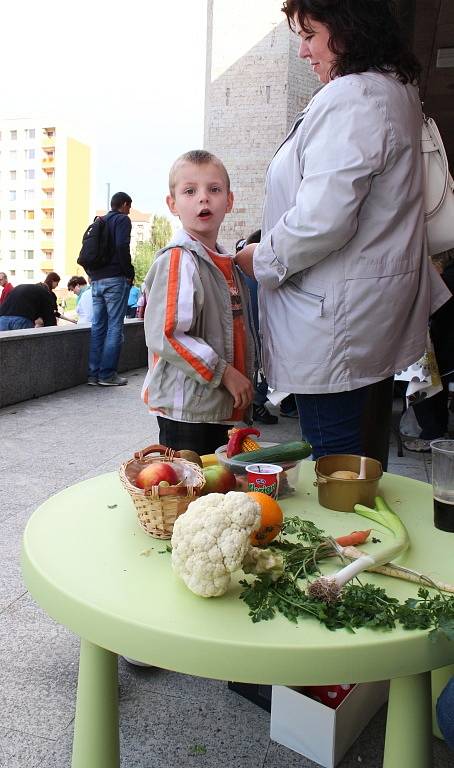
(44, 199)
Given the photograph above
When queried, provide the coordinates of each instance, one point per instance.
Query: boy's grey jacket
(189, 333)
(346, 287)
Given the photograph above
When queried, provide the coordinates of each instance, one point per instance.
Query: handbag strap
(431, 141)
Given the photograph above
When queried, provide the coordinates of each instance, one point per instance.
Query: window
(29, 194)
(13, 135)
(28, 254)
(29, 234)
(12, 215)
(12, 272)
(12, 175)
(29, 274)
(12, 154)
(48, 233)
(29, 215)
(29, 173)
(29, 133)
(29, 154)
(12, 194)
(12, 255)
(12, 234)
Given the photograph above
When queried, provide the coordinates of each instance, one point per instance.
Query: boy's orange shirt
(226, 266)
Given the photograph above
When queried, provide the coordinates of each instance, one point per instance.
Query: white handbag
(439, 190)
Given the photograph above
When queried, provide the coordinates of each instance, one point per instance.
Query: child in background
(201, 351)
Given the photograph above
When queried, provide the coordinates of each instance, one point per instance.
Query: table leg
(408, 742)
(96, 738)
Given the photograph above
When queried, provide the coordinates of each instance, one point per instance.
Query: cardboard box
(320, 733)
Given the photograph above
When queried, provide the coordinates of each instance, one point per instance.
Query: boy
(199, 380)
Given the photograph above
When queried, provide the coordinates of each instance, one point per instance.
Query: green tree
(161, 232)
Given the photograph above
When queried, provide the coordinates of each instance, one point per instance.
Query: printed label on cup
(263, 478)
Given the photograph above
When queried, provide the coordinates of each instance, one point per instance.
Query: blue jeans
(445, 713)
(15, 323)
(332, 422)
(355, 422)
(110, 297)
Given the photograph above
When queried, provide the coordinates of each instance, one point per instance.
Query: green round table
(92, 568)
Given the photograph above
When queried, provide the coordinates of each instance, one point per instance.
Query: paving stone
(415, 471)
(22, 750)
(38, 674)
(142, 681)
(11, 584)
(161, 731)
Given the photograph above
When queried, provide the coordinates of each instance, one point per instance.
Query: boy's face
(201, 200)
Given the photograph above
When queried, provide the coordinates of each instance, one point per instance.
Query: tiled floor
(166, 718)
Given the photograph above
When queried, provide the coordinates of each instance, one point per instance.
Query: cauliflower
(211, 540)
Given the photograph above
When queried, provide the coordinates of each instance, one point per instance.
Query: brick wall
(255, 85)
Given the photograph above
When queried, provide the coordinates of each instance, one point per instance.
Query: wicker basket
(158, 507)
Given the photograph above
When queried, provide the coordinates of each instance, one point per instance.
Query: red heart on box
(329, 695)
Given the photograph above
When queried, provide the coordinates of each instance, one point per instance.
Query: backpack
(97, 245)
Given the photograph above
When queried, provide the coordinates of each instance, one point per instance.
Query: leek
(328, 588)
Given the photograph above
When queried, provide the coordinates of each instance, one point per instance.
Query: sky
(128, 77)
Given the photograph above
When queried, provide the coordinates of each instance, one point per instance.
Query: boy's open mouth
(204, 213)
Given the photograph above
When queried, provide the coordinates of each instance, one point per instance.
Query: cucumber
(276, 453)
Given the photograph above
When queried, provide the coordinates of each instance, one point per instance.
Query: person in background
(288, 407)
(110, 290)
(445, 713)
(260, 412)
(134, 293)
(346, 287)
(51, 282)
(24, 305)
(201, 352)
(7, 287)
(84, 303)
(432, 413)
(141, 302)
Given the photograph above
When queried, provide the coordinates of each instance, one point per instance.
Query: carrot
(353, 539)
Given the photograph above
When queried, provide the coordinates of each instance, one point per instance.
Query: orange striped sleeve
(172, 314)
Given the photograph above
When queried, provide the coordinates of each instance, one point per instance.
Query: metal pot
(342, 495)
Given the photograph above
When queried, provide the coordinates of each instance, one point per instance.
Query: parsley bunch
(360, 605)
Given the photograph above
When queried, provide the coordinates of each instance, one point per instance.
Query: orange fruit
(271, 521)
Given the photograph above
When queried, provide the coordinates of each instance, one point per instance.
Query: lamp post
(108, 196)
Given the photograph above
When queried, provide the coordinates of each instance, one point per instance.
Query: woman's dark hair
(364, 34)
(50, 278)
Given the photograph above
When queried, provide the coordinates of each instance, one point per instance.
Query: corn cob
(247, 444)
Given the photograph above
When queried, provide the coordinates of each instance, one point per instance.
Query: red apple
(219, 479)
(155, 473)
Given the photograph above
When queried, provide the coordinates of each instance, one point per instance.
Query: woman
(51, 282)
(345, 284)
